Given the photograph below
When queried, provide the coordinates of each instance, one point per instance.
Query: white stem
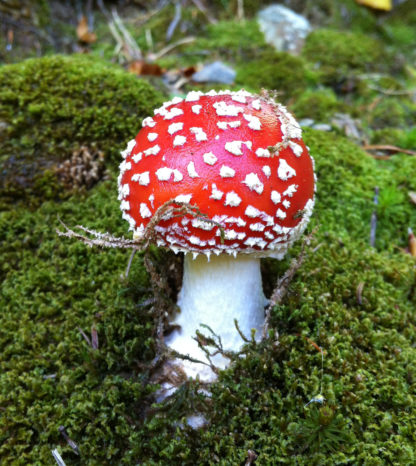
(215, 293)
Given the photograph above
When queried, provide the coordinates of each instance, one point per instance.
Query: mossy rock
(53, 105)
(339, 54)
(279, 71)
(355, 302)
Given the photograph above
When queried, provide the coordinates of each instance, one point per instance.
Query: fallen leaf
(83, 33)
(377, 4)
(140, 67)
(412, 196)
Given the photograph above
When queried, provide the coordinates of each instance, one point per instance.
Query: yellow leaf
(377, 4)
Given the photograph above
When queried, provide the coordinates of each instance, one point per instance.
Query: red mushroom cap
(238, 157)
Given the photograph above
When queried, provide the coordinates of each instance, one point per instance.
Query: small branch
(203, 10)
(389, 91)
(175, 21)
(240, 10)
(373, 224)
(58, 457)
(389, 148)
(69, 441)
(168, 48)
(126, 274)
(283, 283)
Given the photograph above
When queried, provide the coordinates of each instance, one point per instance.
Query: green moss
(51, 106)
(392, 112)
(50, 376)
(339, 54)
(392, 136)
(233, 40)
(317, 104)
(274, 70)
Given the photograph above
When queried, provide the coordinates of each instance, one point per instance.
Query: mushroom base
(215, 292)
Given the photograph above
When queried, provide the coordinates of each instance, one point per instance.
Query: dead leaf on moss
(83, 32)
(385, 5)
(140, 67)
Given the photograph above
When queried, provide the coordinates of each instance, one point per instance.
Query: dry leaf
(412, 196)
(377, 4)
(83, 33)
(140, 67)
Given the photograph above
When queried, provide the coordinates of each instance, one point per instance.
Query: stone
(215, 72)
(284, 29)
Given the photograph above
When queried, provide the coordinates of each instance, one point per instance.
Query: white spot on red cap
(286, 204)
(137, 157)
(179, 141)
(256, 104)
(183, 198)
(127, 151)
(227, 172)
(142, 178)
(257, 226)
(267, 170)
(174, 112)
(191, 170)
(196, 108)
(239, 98)
(164, 173)
(152, 136)
(125, 205)
(193, 96)
(177, 176)
(216, 193)
(234, 147)
(285, 171)
(291, 190)
(200, 135)
(202, 224)
(296, 148)
(232, 199)
(124, 166)
(253, 183)
(276, 197)
(209, 158)
(225, 124)
(260, 152)
(144, 211)
(223, 109)
(149, 122)
(152, 151)
(174, 127)
(253, 121)
(280, 214)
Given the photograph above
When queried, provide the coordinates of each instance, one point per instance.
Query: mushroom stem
(215, 292)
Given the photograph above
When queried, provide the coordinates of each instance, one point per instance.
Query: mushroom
(240, 159)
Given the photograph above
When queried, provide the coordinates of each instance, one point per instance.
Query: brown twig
(389, 148)
(283, 283)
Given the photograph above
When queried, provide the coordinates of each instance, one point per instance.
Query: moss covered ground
(78, 339)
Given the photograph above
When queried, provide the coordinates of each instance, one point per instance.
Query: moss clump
(53, 105)
(50, 376)
(232, 40)
(339, 54)
(392, 112)
(317, 104)
(274, 70)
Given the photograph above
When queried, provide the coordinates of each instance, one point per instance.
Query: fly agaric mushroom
(240, 159)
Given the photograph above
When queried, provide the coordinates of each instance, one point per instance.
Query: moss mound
(274, 70)
(357, 303)
(53, 105)
(319, 104)
(339, 54)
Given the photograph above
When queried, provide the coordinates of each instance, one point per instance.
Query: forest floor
(335, 381)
